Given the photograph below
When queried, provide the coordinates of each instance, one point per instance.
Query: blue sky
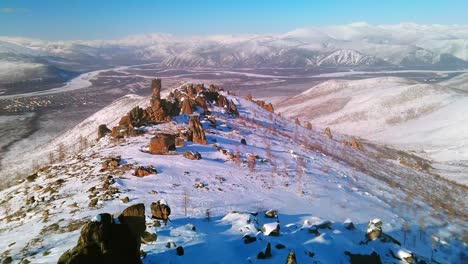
(109, 19)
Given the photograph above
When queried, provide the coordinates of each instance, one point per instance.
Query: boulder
(180, 251)
(222, 101)
(148, 237)
(297, 121)
(249, 239)
(233, 108)
(186, 134)
(104, 241)
(308, 125)
(243, 142)
(201, 102)
(162, 144)
(373, 258)
(126, 121)
(198, 134)
(191, 92)
(125, 131)
(103, 130)
(143, 171)
(160, 210)
(192, 155)
(134, 217)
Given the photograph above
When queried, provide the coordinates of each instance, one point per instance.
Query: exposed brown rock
(222, 101)
(103, 241)
(356, 144)
(201, 102)
(233, 108)
(103, 130)
(179, 142)
(134, 217)
(156, 89)
(328, 132)
(143, 171)
(297, 122)
(186, 134)
(192, 155)
(111, 163)
(162, 144)
(308, 125)
(198, 134)
(269, 108)
(186, 107)
(125, 121)
(191, 92)
(160, 211)
(125, 131)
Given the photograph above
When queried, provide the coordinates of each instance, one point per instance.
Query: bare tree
(61, 152)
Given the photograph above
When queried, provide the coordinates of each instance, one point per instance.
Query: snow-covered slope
(427, 118)
(306, 176)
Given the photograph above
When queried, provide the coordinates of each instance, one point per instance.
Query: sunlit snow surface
(306, 177)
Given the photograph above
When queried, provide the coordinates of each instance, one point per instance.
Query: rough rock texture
(104, 241)
(156, 89)
(125, 131)
(268, 107)
(308, 125)
(198, 134)
(201, 102)
(134, 217)
(162, 144)
(103, 130)
(328, 132)
(233, 108)
(192, 155)
(186, 107)
(143, 171)
(111, 163)
(160, 211)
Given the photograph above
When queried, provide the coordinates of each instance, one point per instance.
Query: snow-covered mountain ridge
(308, 177)
(353, 45)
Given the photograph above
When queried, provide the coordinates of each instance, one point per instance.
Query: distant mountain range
(357, 45)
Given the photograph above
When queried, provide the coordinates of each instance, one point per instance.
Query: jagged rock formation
(105, 241)
(162, 144)
(198, 134)
(328, 132)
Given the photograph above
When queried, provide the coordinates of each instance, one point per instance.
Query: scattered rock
(160, 210)
(374, 229)
(148, 237)
(271, 229)
(266, 254)
(125, 131)
(280, 246)
(93, 202)
(103, 130)
(314, 230)
(125, 199)
(271, 214)
(350, 226)
(356, 144)
(199, 185)
(186, 107)
(171, 244)
(373, 258)
(308, 125)
(325, 225)
(243, 142)
(291, 259)
(249, 239)
(297, 121)
(111, 163)
(31, 177)
(7, 260)
(180, 251)
(328, 132)
(134, 217)
(162, 144)
(192, 155)
(198, 134)
(143, 171)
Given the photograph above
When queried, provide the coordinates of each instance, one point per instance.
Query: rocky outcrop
(186, 107)
(233, 108)
(198, 134)
(105, 241)
(156, 89)
(374, 229)
(308, 125)
(111, 163)
(268, 107)
(162, 144)
(103, 130)
(297, 121)
(160, 210)
(266, 254)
